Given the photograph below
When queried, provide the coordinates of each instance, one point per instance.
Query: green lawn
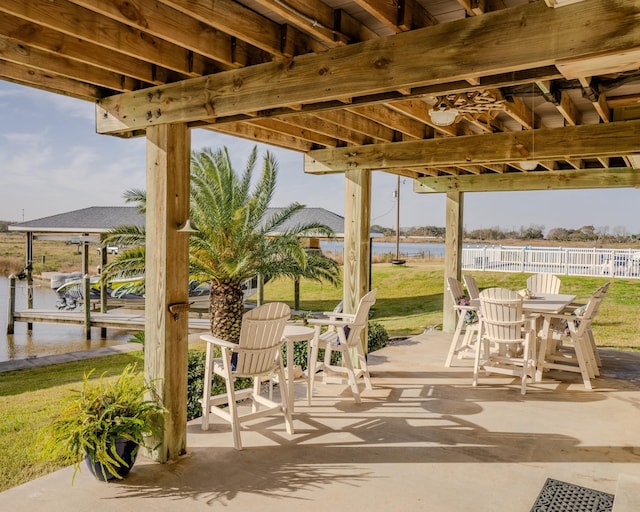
(409, 300)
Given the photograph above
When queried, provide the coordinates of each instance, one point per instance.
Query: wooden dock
(130, 320)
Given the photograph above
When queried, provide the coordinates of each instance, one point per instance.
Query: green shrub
(195, 383)
(378, 337)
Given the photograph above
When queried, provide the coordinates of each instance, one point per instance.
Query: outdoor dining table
(542, 305)
(537, 307)
(293, 334)
(549, 303)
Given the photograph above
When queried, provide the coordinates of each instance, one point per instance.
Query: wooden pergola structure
(357, 86)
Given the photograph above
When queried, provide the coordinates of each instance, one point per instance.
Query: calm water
(45, 339)
(406, 249)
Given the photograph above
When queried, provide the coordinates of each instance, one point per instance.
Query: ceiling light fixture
(529, 165)
(444, 117)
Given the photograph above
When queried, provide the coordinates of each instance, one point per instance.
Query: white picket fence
(570, 261)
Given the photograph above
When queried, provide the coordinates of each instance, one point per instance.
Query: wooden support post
(296, 293)
(260, 290)
(357, 208)
(453, 254)
(85, 255)
(29, 269)
(167, 277)
(86, 292)
(11, 305)
(103, 289)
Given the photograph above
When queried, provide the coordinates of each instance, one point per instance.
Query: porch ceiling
(351, 82)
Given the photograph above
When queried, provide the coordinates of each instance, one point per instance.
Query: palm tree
(236, 239)
(131, 261)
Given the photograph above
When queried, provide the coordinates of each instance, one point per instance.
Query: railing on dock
(569, 261)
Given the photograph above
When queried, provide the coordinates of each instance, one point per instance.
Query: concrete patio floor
(422, 439)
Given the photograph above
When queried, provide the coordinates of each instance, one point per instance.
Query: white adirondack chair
(464, 337)
(572, 347)
(343, 334)
(504, 325)
(543, 283)
(472, 286)
(258, 355)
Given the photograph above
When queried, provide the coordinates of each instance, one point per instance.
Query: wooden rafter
(389, 65)
(552, 143)
(543, 180)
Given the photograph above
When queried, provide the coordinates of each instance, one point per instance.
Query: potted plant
(105, 423)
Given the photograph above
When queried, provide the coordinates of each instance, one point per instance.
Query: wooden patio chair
(504, 325)
(472, 286)
(572, 347)
(342, 334)
(257, 355)
(467, 325)
(543, 283)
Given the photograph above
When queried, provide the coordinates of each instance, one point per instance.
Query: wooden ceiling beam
(299, 132)
(634, 161)
(399, 15)
(602, 108)
(247, 25)
(392, 119)
(76, 21)
(473, 7)
(541, 180)
(347, 126)
(519, 112)
(159, 20)
(627, 100)
(367, 127)
(262, 134)
(414, 15)
(387, 64)
(35, 36)
(313, 17)
(550, 143)
(568, 109)
(497, 168)
(327, 128)
(14, 51)
(48, 82)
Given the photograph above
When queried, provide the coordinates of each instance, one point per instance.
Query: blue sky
(52, 161)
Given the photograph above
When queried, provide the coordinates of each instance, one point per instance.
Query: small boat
(70, 294)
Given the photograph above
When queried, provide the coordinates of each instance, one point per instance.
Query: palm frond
(125, 235)
(136, 195)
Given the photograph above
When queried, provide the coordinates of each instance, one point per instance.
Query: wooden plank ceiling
(351, 82)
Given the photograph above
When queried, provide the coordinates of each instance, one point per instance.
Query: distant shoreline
(512, 242)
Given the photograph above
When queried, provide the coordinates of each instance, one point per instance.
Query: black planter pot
(126, 449)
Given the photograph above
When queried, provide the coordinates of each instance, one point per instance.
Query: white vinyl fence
(570, 261)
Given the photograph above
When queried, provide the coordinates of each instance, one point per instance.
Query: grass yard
(409, 300)
(29, 399)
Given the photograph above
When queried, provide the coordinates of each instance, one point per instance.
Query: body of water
(45, 339)
(406, 249)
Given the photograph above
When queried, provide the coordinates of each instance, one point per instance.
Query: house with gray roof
(88, 223)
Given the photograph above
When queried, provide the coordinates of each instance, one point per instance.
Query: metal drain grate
(557, 496)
